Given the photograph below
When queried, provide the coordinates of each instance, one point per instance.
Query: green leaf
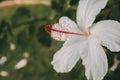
(73, 2)
(59, 5)
(4, 45)
(71, 14)
(43, 37)
(23, 40)
(5, 29)
(5, 26)
(115, 14)
(32, 29)
(22, 15)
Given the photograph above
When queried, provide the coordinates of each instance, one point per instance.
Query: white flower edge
(89, 49)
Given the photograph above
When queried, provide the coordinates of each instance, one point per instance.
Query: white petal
(69, 24)
(66, 58)
(108, 32)
(65, 24)
(3, 59)
(4, 73)
(12, 46)
(22, 63)
(95, 61)
(87, 11)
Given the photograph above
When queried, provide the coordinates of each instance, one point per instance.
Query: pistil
(49, 28)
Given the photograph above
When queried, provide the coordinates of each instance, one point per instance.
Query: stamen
(48, 29)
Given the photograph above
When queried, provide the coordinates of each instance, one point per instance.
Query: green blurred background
(23, 26)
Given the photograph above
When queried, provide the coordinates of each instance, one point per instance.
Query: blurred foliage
(1, 0)
(24, 26)
(43, 37)
(21, 16)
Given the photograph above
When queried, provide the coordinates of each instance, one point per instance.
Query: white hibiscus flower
(84, 40)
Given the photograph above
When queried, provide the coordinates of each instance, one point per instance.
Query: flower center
(87, 35)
